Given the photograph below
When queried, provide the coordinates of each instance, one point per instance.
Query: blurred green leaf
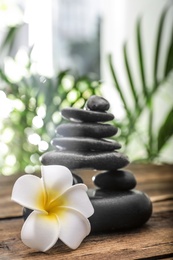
(166, 130)
(158, 46)
(8, 40)
(130, 78)
(140, 57)
(117, 85)
(169, 58)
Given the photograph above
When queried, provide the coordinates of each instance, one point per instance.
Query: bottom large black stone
(116, 210)
(119, 210)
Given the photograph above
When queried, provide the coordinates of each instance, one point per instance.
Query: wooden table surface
(154, 240)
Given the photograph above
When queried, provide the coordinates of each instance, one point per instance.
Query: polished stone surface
(86, 115)
(84, 144)
(92, 160)
(86, 130)
(115, 180)
(97, 103)
(119, 210)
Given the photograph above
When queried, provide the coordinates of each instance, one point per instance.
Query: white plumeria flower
(60, 210)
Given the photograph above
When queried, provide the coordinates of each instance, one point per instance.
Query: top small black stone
(97, 103)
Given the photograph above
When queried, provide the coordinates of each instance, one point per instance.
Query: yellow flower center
(51, 202)
(54, 206)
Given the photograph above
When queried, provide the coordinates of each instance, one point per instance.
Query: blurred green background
(30, 102)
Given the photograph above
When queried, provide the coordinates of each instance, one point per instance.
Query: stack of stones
(82, 143)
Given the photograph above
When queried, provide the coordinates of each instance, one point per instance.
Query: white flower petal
(74, 227)
(57, 179)
(28, 192)
(77, 198)
(40, 231)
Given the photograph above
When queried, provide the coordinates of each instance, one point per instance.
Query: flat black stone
(115, 180)
(119, 210)
(82, 160)
(75, 114)
(77, 179)
(84, 144)
(97, 103)
(86, 130)
(116, 211)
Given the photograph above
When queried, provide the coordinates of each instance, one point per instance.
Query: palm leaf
(158, 46)
(117, 85)
(141, 58)
(130, 78)
(166, 130)
(150, 132)
(8, 40)
(169, 60)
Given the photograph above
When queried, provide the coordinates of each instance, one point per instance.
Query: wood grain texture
(152, 241)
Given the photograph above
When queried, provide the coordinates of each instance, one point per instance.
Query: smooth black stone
(75, 114)
(119, 210)
(77, 179)
(97, 103)
(116, 210)
(115, 180)
(84, 144)
(86, 130)
(82, 160)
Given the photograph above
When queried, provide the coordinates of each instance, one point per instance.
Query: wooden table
(152, 241)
